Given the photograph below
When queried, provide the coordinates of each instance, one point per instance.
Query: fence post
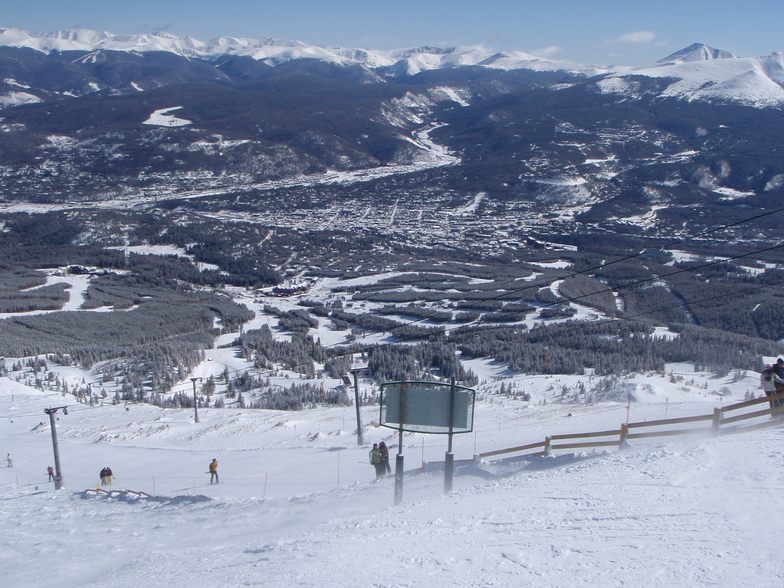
(716, 420)
(624, 434)
(547, 450)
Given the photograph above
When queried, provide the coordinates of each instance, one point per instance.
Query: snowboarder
(384, 454)
(375, 461)
(50, 472)
(214, 471)
(9, 461)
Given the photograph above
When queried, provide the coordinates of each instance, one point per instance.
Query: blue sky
(629, 32)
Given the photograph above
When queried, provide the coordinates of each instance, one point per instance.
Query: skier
(767, 383)
(50, 471)
(9, 461)
(375, 461)
(214, 471)
(384, 454)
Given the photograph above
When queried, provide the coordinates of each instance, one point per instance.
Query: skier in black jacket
(777, 377)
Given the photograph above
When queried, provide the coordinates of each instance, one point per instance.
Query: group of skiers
(106, 476)
(379, 458)
(772, 380)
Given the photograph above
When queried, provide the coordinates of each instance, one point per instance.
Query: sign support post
(449, 458)
(399, 456)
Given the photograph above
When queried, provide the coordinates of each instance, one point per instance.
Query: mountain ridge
(274, 50)
(699, 72)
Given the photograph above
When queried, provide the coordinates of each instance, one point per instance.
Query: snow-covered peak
(88, 40)
(519, 60)
(695, 52)
(74, 39)
(755, 81)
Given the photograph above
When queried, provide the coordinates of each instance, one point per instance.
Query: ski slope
(297, 504)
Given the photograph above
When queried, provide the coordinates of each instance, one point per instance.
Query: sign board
(426, 407)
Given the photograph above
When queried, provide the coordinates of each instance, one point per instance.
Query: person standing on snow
(777, 377)
(9, 461)
(384, 454)
(50, 472)
(214, 471)
(767, 383)
(375, 461)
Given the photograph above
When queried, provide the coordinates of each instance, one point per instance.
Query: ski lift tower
(347, 383)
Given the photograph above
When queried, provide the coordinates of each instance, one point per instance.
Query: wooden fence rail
(717, 419)
(753, 402)
(517, 449)
(694, 419)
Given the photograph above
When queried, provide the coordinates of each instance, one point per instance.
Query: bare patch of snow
(162, 118)
(17, 98)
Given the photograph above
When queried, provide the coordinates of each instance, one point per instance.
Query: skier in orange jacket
(214, 471)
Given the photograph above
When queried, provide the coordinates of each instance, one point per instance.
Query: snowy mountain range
(275, 51)
(698, 72)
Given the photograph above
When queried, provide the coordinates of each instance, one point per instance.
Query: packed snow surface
(297, 505)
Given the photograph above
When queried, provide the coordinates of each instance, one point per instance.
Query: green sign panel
(426, 407)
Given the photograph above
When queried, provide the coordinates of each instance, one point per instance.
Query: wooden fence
(663, 428)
